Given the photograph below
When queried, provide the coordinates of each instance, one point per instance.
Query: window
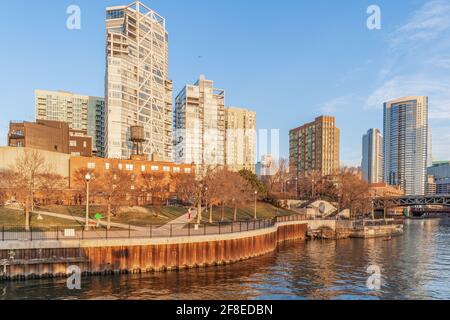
(107, 166)
(84, 144)
(155, 168)
(143, 168)
(120, 166)
(187, 170)
(176, 170)
(91, 165)
(129, 167)
(166, 169)
(72, 143)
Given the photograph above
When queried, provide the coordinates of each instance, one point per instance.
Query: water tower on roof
(137, 137)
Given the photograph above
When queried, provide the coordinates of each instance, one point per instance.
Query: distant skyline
(289, 60)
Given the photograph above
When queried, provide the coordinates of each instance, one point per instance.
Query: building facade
(200, 125)
(82, 113)
(58, 163)
(440, 171)
(54, 136)
(405, 144)
(137, 89)
(135, 167)
(240, 145)
(96, 125)
(315, 147)
(372, 162)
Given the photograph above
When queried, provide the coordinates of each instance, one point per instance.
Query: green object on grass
(98, 216)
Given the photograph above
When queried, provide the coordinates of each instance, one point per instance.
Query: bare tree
(212, 191)
(51, 187)
(277, 184)
(114, 188)
(353, 192)
(24, 179)
(157, 185)
(81, 183)
(3, 187)
(192, 191)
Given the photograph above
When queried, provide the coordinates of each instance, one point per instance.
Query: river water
(414, 266)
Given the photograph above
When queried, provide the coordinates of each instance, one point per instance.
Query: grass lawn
(10, 217)
(137, 216)
(264, 211)
(140, 216)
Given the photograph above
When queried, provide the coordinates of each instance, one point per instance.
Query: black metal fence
(62, 233)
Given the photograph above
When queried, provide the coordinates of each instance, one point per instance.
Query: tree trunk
(27, 215)
(199, 212)
(235, 213)
(210, 214)
(223, 212)
(108, 223)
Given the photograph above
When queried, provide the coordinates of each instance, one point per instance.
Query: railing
(361, 224)
(296, 217)
(60, 233)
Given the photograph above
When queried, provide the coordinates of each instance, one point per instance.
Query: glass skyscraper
(406, 144)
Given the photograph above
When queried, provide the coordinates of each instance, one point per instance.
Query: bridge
(411, 201)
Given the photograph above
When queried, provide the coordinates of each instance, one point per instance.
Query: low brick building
(54, 136)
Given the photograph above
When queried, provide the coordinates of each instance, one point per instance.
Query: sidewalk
(179, 223)
(83, 221)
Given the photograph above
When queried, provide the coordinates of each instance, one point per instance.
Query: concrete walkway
(181, 222)
(83, 220)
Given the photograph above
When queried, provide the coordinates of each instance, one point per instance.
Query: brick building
(54, 136)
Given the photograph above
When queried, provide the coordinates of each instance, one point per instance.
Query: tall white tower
(406, 143)
(138, 91)
(372, 163)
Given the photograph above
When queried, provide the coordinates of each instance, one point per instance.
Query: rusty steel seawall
(112, 257)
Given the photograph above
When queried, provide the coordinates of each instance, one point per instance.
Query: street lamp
(256, 195)
(88, 179)
(296, 188)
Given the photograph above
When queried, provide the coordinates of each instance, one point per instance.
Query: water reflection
(415, 266)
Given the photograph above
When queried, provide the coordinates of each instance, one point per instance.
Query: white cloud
(339, 103)
(441, 61)
(413, 85)
(426, 24)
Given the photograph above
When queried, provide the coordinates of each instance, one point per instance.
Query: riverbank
(22, 260)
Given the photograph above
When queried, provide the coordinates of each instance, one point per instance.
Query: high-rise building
(96, 124)
(405, 144)
(315, 147)
(268, 166)
(372, 162)
(200, 125)
(81, 112)
(137, 90)
(240, 146)
(440, 171)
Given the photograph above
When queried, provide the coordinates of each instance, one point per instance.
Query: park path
(83, 220)
(179, 223)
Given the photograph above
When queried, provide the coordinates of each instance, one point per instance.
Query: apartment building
(137, 89)
(81, 112)
(315, 147)
(200, 125)
(405, 143)
(372, 162)
(240, 145)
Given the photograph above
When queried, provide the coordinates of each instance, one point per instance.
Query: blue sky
(289, 60)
